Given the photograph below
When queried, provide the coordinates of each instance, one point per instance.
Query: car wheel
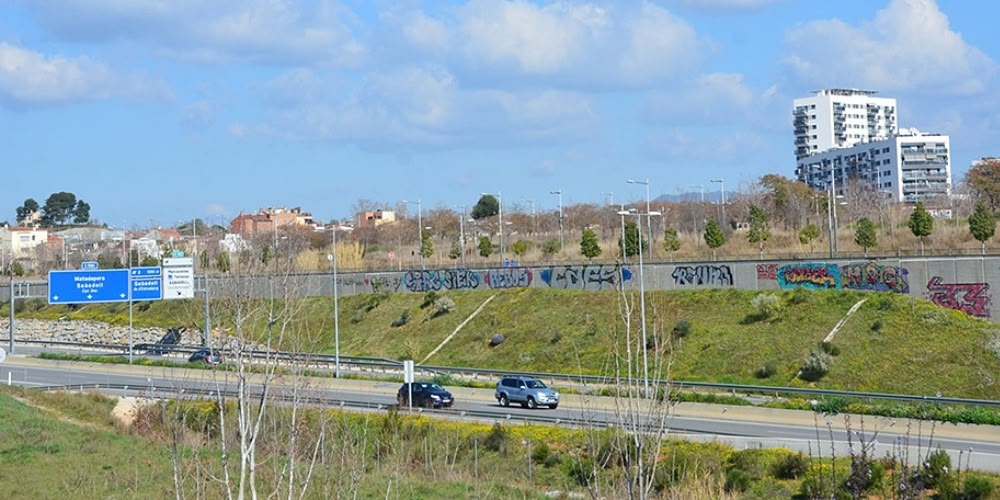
(553, 407)
(504, 401)
(531, 403)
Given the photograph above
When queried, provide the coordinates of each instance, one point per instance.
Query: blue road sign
(146, 283)
(85, 287)
(89, 266)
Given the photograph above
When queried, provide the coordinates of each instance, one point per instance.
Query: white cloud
(909, 45)
(425, 108)
(277, 32)
(721, 6)
(29, 78)
(713, 98)
(568, 44)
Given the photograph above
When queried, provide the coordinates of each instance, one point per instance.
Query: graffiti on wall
(598, 277)
(809, 275)
(709, 275)
(767, 271)
(374, 284)
(509, 277)
(441, 279)
(970, 298)
(872, 276)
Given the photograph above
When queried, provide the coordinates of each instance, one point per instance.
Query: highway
(738, 426)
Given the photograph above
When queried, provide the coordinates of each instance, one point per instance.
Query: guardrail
(393, 365)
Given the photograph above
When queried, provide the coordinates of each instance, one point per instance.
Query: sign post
(408, 378)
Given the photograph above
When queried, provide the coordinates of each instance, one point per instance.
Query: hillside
(892, 343)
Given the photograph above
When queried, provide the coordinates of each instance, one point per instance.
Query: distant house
(375, 219)
(21, 242)
(269, 220)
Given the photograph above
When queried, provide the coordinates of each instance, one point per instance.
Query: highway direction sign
(85, 287)
(89, 265)
(178, 278)
(146, 283)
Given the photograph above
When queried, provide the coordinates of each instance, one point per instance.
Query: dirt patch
(127, 409)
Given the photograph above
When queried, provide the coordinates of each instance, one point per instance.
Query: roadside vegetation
(63, 444)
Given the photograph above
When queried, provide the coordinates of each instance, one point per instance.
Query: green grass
(916, 348)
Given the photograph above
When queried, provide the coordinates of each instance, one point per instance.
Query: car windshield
(535, 384)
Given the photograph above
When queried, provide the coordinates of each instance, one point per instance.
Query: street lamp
(420, 230)
(722, 182)
(642, 291)
(332, 257)
(500, 211)
(649, 224)
(562, 242)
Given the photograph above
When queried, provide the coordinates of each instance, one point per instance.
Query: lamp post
(336, 314)
(649, 223)
(642, 292)
(420, 230)
(562, 242)
(722, 183)
(500, 212)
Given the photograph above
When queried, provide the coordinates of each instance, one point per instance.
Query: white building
(841, 118)
(908, 167)
(21, 242)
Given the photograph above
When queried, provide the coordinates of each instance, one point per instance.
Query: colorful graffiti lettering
(600, 277)
(872, 276)
(767, 271)
(970, 298)
(447, 279)
(515, 277)
(703, 275)
(809, 275)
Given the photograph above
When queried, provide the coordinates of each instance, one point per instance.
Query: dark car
(425, 394)
(210, 356)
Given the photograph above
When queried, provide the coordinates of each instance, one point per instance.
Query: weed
(816, 366)
(682, 329)
(829, 348)
(792, 466)
(766, 370)
(402, 320)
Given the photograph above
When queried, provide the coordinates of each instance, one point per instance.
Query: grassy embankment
(893, 343)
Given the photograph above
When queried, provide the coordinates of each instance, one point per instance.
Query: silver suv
(530, 392)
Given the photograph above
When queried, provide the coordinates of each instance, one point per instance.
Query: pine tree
(671, 241)
(982, 224)
(714, 237)
(760, 231)
(589, 246)
(864, 234)
(921, 224)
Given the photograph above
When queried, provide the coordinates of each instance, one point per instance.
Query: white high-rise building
(909, 167)
(841, 118)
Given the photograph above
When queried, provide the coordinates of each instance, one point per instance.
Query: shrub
(830, 348)
(977, 487)
(498, 439)
(555, 338)
(751, 461)
(792, 466)
(767, 370)
(429, 299)
(402, 320)
(581, 471)
(799, 296)
(936, 469)
(682, 329)
(877, 325)
(816, 366)
(766, 305)
(737, 480)
(443, 305)
(541, 452)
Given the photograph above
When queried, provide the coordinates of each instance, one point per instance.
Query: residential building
(269, 220)
(375, 219)
(21, 242)
(908, 167)
(841, 118)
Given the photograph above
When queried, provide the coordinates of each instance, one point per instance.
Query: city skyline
(161, 113)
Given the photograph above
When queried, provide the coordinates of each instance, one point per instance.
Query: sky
(159, 111)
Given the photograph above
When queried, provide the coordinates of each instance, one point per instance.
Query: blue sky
(157, 111)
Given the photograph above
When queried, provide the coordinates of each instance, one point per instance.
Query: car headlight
(435, 396)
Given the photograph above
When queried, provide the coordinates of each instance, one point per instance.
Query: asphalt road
(979, 446)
